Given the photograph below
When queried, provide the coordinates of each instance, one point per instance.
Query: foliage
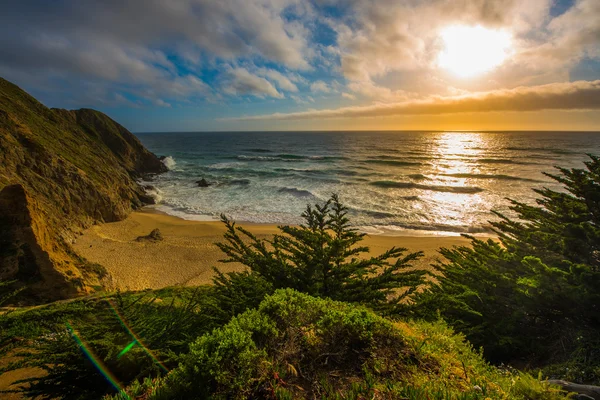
(534, 292)
(298, 346)
(323, 258)
(234, 293)
(53, 338)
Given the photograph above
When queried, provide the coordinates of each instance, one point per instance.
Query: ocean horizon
(394, 182)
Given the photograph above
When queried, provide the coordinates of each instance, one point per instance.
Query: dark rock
(154, 236)
(203, 183)
(149, 187)
(146, 199)
(148, 177)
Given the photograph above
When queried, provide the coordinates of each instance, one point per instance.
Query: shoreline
(188, 252)
(379, 230)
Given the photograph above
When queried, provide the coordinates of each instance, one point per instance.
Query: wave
(502, 161)
(296, 192)
(241, 182)
(405, 156)
(542, 149)
(435, 188)
(241, 171)
(376, 214)
(169, 162)
(258, 158)
(260, 150)
(438, 228)
(418, 177)
(396, 163)
(303, 171)
(153, 192)
(289, 157)
(491, 176)
(344, 172)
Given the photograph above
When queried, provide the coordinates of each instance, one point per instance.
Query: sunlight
(456, 150)
(472, 50)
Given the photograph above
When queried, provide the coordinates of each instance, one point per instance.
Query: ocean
(394, 183)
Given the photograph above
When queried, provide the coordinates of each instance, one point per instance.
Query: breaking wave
(169, 162)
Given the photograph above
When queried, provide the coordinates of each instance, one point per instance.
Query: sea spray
(169, 162)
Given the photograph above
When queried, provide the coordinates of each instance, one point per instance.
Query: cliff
(60, 172)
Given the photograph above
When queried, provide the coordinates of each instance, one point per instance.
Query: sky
(210, 65)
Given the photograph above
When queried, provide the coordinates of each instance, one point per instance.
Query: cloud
(242, 82)
(320, 86)
(387, 36)
(348, 96)
(572, 36)
(135, 46)
(581, 95)
(190, 50)
(225, 28)
(161, 103)
(381, 93)
(283, 82)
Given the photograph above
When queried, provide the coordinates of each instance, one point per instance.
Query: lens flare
(96, 361)
(136, 339)
(126, 349)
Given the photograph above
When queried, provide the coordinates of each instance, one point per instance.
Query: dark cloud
(582, 95)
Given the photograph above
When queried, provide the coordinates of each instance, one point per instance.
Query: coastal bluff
(61, 171)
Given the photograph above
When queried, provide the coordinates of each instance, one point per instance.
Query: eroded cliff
(60, 172)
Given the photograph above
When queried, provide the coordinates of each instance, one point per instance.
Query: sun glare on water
(472, 50)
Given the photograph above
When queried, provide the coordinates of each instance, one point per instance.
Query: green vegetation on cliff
(297, 346)
(61, 172)
(291, 346)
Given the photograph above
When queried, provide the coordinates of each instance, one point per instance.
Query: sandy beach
(188, 252)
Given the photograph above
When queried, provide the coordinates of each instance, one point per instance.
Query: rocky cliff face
(60, 172)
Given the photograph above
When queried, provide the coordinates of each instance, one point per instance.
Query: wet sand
(188, 252)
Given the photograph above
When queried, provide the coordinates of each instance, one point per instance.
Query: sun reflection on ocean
(455, 154)
(454, 150)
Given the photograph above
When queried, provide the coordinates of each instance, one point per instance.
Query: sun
(472, 50)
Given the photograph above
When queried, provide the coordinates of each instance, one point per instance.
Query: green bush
(298, 346)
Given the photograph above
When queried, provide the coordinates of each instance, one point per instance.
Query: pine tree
(323, 257)
(532, 294)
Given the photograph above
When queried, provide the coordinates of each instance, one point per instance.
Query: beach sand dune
(188, 252)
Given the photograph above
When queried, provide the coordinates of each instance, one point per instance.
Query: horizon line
(378, 130)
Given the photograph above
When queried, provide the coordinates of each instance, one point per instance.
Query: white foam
(155, 193)
(169, 162)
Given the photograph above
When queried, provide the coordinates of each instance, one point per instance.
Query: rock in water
(62, 171)
(202, 183)
(154, 236)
